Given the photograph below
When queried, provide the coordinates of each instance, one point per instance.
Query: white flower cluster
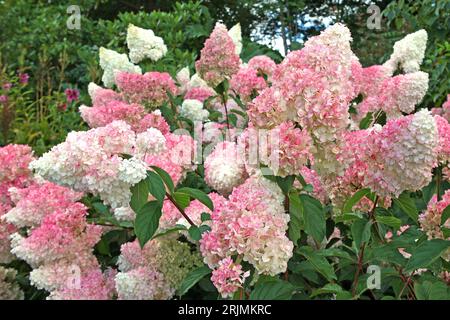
(90, 161)
(413, 88)
(235, 34)
(150, 142)
(223, 168)
(144, 44)
(193, 110)
(112, 62)
(408, 52)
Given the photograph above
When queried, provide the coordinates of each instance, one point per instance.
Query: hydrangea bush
(315, 178)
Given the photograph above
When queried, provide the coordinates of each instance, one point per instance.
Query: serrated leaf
(314, 217)
(272, 290)
(389, 221)
(426, 253)
(327, 289)
(147, 221)
(182, 199)
(156, 186)
(165, 177)
(199, 195)
(295, 212)
(319, 263)
(408, 206)
(192, 278)
(139, 195)
(361, 231)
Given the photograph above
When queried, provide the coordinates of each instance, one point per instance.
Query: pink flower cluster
(228, 277)
(60, 247)
(149, 89)
(246, 83)
(218, 60)
(263, 64)
(91, 161)
(252, 225)
(14, 173)
(430, 220)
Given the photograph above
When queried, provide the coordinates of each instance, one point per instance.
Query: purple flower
(72, 94)
(7, 86)
(23, 78)
(3, 98)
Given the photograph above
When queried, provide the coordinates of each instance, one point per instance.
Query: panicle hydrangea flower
(199, 93)
(235, 34)
(144, 44)
(35, 202)
(311, 177)
(90, 162)
(317, 83)
(402, 154)
(14, 173)
(100, 116)
(183, 77)
(228, 277)
(100, 96)
(149, 89)
(393, 95)
(112, 62)
(430, 220)
(94, 285)
(444, 111)
(218, 60)
(268, 109)
(408, 52)
(401, 93)
(169, 260)
(224, 169)
(443, 148)
(253, 224)
(9, 289)
(143, 283)
(263, 64)
(291, 150)
(151, 142)
(64, 234)
(193, 110)
(247, 82)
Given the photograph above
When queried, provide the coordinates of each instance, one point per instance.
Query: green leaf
(139, 195)
(389, 221)
(327, 289)
(445, 215)
(314, 217)
(170, 230)
(407, 204)
(147, 221)
(156, 186)
(192, 278)
(354, 199)
(272, 290)
(295, 212)
(182, 199)
(319, 262)
(205, 217)
(428, 290)
(426, 253)
(199, 195)
(285, 183)
(165, 177)
(361, 231)
(195, 233)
